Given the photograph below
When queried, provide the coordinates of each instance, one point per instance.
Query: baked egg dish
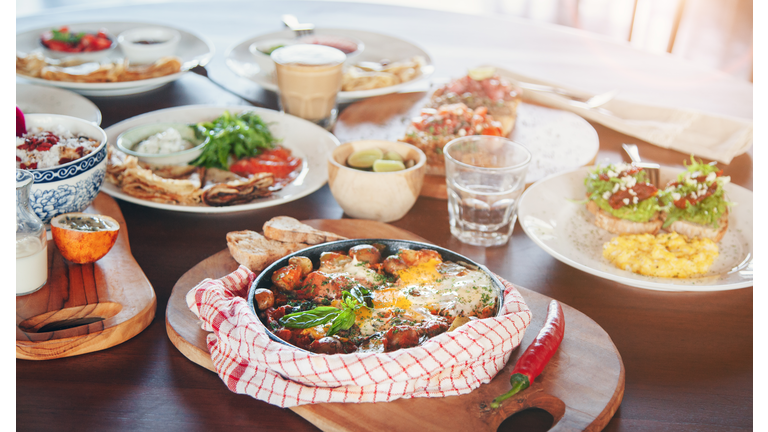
(359, 301)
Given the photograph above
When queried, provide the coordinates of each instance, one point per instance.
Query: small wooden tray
(89, 307)
(581, 387)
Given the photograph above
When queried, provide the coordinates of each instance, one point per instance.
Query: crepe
(162, 67)
(38, 66)
(370, 75)
(239, 191)
(117, 163)
(142, 183)
(91, 72)
(30, 65)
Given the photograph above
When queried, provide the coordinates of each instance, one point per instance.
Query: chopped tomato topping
(642, 191)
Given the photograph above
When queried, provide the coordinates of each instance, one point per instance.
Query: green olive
(364, 158)
(393, 155)
(383, 165)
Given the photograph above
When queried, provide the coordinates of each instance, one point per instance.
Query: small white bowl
(129, 139)
(148, 44)
(70, 187)
(379, 196)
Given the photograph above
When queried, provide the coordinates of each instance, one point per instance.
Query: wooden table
(688, 356)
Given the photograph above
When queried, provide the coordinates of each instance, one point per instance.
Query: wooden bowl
(379, 196)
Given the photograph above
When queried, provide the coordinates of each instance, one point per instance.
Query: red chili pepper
(537, 355)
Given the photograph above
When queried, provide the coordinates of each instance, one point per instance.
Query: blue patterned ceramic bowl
(70, 187)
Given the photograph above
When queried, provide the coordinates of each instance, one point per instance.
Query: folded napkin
(251, 363)
(705, 135)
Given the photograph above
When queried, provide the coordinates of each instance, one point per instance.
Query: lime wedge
(393, 155)
(481, 73)
(364, 158)
(383, 165)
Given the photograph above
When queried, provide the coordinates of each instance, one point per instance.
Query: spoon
(651, 168)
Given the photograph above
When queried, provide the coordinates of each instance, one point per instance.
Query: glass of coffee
(308, 79)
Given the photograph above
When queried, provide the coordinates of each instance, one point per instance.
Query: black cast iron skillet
(264, 279)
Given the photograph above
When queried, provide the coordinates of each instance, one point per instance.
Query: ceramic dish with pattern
(553, 215)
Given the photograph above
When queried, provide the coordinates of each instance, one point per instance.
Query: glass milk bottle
(31, 240)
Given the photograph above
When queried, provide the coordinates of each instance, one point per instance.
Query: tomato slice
(277, 161)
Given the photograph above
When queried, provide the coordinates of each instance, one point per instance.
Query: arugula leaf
(232, 137)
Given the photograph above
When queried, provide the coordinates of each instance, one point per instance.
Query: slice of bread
(288, 229)
(615, 225)
(691, 230)
(257, 252)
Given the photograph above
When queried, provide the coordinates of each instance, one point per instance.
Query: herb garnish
(342, 319)
(232, 136)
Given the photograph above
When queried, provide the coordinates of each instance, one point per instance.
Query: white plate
(193, 50)
(548, 214)
(259, 68)
(306, 140)
(36, 99)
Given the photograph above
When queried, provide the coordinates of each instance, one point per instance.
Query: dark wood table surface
(688, 356)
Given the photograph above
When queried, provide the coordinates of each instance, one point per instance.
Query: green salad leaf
(706, 212)
(232, 137)
(643, 211)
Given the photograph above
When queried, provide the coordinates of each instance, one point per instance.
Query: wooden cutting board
(581, 387)
(558, 140)
(88, 307)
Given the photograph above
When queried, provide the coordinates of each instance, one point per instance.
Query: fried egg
(424, 290)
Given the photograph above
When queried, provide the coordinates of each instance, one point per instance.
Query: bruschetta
(622, 200)
(435, 127)
(482, 88)
(695, 204)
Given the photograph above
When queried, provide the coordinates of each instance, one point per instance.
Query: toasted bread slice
(257, 252)
(288, 229)
(691, 230)
(615, 225)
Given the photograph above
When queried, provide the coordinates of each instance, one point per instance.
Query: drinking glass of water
(485, 176)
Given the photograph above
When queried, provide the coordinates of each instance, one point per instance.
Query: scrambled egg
(664, 255)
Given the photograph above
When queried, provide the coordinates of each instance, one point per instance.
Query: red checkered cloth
(251, 363)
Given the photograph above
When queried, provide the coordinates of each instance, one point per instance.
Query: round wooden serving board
(581, 387)
(558, 140)
(88, 307)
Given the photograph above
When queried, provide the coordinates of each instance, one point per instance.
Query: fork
(300, 29)
(590, 102)
(651, 169)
